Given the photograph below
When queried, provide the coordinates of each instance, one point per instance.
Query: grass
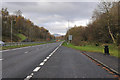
(21, 36)
(18, 46)
(113, 50)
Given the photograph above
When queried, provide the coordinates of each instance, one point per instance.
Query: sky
(54, 16)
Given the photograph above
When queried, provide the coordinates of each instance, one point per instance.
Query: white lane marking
(45, 60)
(32, 74)
(1, 59)
(42, 63)
(36, 69)
(28, 77)
(47, 57)
(50, 55)
(26, 52)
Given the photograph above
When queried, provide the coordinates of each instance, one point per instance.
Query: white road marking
(47, 57)
(26, 52)
(42, 63)
(36, 69)
(45, 60)
(50, 55)
(28, 77)
(32, 74)
(1, 59)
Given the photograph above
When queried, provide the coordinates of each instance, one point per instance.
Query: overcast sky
(54, 16)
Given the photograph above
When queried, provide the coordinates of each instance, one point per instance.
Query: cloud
(57, 14)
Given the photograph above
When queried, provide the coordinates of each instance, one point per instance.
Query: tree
(105, 8)
(22, 26)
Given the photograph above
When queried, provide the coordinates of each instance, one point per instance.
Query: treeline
(104, 27)
(22, 27)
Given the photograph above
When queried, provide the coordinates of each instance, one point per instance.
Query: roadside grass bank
(19, 46)
(113, 50)
(21, 36)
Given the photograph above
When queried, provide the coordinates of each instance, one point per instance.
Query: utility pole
(68, 30)
(11, 30)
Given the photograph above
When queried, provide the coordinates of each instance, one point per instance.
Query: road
(63, 63)
(20, 62)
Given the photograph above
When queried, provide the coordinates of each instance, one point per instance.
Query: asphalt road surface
(20, 62)
(69, 63)
(64, 63)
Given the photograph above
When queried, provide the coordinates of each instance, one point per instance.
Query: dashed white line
(47, 57)
(28, 77)
(50, 55)
(1, 59)
(26, 52)
(45, 60)
(36, 69)
(41, 63)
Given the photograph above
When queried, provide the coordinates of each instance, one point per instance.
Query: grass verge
(113, 50)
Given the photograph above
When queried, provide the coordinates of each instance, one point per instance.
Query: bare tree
(105, 8)
(18, 13)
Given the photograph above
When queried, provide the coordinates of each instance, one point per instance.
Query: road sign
(70, 37)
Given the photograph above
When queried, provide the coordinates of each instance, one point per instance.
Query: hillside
(22, 29)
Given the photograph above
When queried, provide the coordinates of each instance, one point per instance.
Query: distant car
(2, 43)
